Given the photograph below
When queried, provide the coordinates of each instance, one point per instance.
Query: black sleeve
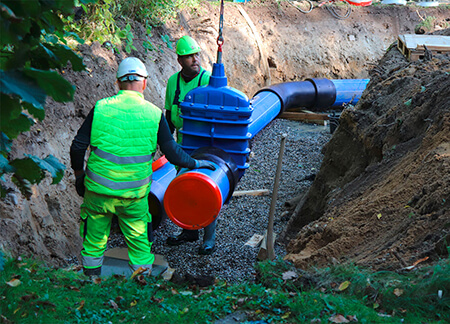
(81, 142)
(173, 152)
(169, 121)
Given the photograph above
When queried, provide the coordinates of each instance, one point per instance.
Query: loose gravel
(244, 216)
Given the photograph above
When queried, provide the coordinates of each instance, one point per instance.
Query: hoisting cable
(220, 40)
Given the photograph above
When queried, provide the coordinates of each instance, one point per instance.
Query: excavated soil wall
(275, 43)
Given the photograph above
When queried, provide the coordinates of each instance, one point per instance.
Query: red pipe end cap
(192, 200)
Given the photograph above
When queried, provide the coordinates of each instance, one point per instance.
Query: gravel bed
(244, 216)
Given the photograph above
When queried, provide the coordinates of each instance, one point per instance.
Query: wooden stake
(270, 247)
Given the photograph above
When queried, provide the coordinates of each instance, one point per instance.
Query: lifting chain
(220, 40)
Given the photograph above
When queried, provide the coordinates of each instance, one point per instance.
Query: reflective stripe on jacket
(123, 142)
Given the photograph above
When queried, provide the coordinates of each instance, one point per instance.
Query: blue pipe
(218, 116)
(161, 179)
(266, 107)
(349, 91)
(194, 198)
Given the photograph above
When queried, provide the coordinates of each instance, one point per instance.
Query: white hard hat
(132, 65)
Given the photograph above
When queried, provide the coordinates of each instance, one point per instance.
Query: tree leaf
(4, 166)
(27, 169)
(11, 109)
(59, 55)
(15, 82)
(113, 304)
(74, 36)
(87, 1)
(37, 112)
(14, 282)
(18, 125)
(338, 318)
(137, 272)
(5, 143)
(54, 85)
(13, 27)
(289, 275)
(52, 165)
(28, 8)
(344, 285)
(81, 305)
(398, 292)
(24, 186)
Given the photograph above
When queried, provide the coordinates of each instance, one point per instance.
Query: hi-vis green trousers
(134, 220)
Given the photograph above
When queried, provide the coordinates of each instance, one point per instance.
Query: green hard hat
(186, 45)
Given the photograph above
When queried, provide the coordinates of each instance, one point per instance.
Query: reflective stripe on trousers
(134, 219)
(91, 262)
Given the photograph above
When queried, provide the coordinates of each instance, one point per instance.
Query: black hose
(300, 9)
(332, 9)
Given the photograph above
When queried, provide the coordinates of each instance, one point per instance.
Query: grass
(33, 293)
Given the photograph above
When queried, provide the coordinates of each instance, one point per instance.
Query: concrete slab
(116, 262)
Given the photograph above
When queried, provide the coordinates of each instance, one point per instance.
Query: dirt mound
(382, 195)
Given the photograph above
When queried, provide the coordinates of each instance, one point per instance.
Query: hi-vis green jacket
(123, 142)
(177, 89)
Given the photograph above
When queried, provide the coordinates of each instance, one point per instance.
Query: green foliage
(33, 47)
(108, 21)
(44, 295)
(155, 12)
(270, 273)
(127, 34)
(427, 24)
(414, 293)
(97, 22)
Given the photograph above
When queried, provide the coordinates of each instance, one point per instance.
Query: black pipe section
(311, 93)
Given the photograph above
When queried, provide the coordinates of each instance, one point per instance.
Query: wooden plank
(257, 192)
(300, 115)
(412, 41)
(413, 46)
(303, 116)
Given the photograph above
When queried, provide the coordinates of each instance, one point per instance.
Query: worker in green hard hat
(191, 76)
(123, 132)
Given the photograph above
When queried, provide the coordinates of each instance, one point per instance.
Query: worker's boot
(184, 237)
(92, 272)
(209, 240)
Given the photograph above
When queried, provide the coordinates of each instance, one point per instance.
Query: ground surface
(393, 165)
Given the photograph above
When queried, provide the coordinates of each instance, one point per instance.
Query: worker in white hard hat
(123, 132)
(191, 76)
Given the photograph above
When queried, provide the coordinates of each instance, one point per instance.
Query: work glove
(79, 185)
(203, 164)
